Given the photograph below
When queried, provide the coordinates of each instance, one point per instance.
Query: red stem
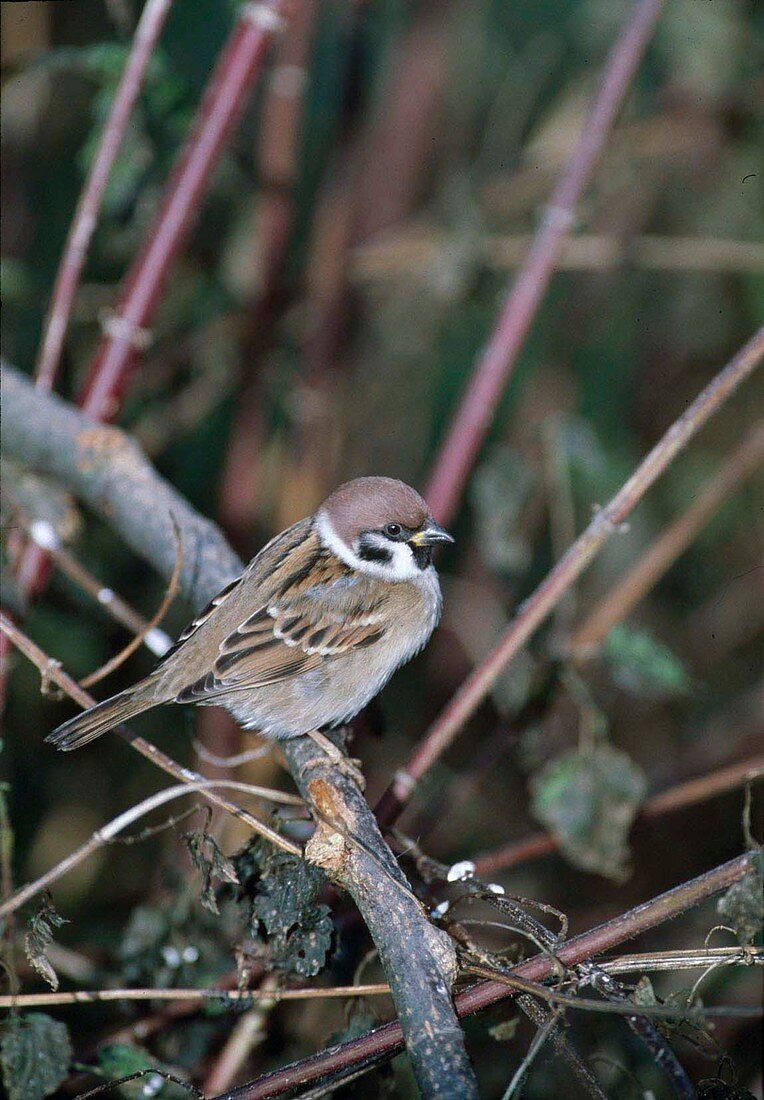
(88, 208)
(579, 556)
(240, 62)
(494, 367)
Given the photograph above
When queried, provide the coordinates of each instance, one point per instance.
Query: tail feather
(85, 727)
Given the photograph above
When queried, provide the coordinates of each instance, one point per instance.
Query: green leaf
(35, 1053)
(642, 665)
(207, 858)
(295, 932)
(742, 907)
(39, 938)
(589, 799)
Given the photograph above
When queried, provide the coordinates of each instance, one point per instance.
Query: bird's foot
(349, 766)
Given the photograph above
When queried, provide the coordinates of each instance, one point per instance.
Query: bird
(312, 629)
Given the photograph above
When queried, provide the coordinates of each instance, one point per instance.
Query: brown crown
(368, 503)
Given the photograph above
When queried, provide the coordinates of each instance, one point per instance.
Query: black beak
(430, 535)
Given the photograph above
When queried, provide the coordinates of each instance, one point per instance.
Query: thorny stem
(103, 836)
(579, 556)
(387, 1040)
(683, 794)
(493, 369)
(86, 215)
(658, 558)
(52, 671)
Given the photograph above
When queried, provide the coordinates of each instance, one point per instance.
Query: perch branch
(86, 215)
(109, 472)
(387, 1040)
(690, 793)
(536, 608)
(495, 365)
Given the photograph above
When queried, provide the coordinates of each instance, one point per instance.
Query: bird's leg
(349, 767)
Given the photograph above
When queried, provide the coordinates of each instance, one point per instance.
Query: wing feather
(310, 615)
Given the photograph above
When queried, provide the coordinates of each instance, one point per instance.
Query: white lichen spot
(460, 871)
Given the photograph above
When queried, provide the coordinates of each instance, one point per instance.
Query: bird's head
(380, 526)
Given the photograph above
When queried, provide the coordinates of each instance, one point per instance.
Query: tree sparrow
(312, 629)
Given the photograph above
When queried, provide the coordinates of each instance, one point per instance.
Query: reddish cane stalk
(86, 215)
(570, 567)
(388, 1040)
(494, 368)
(240, 62)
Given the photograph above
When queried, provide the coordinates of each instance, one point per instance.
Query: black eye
(393, 530)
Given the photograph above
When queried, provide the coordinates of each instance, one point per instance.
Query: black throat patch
(422, 555)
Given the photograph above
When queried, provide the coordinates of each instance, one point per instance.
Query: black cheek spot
(370, 551)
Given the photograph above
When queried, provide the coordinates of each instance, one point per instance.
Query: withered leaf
(208, 859)
(39, 938)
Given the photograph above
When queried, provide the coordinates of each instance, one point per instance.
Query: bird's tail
(85, 727)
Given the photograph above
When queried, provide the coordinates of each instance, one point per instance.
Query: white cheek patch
(402, 567)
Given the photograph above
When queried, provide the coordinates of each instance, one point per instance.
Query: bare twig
(232, 996)
(127, 329)
(658, 558)
(44, 535)
(497, 360)
(689, 959)
(88, 208)
(170, 594)
(110, 831)
(52, 670)
(247, 1033)
(690, 793)
(537, 607)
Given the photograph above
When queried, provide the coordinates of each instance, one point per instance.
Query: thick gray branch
(110, 473)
